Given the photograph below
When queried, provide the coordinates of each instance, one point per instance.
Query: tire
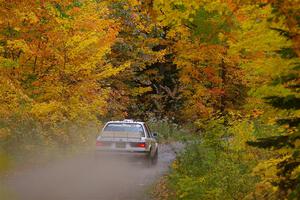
(155, 158)
(152, 160)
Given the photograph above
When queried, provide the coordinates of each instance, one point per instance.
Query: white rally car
(129, 137)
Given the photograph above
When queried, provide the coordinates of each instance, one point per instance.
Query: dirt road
(84, 178)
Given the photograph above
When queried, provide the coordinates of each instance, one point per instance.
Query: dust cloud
(90, 177)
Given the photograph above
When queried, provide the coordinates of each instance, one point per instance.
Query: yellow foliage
(140, 91)
(53, 61)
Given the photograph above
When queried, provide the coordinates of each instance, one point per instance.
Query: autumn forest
(223, 74)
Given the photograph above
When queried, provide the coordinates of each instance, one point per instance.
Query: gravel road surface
(86, 178)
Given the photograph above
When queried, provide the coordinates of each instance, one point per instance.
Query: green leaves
(8, 63)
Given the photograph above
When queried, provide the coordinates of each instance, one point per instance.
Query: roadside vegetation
(221, 75)
(169, 131)
(217, 164)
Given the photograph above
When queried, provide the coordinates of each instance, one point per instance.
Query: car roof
(129, 121)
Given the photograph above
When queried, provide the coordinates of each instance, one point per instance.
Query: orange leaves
(232, 5)
(212, 75)
(60, 50)
(217, 91)
(209, 76)
(36, 83)
(75, 10)
(256, 113)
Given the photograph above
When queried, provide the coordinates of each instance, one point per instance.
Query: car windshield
(124, 127)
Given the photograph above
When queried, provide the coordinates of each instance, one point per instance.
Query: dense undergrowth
(169, 131)
(217, 164)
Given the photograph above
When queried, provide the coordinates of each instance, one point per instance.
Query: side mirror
(155, 135)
